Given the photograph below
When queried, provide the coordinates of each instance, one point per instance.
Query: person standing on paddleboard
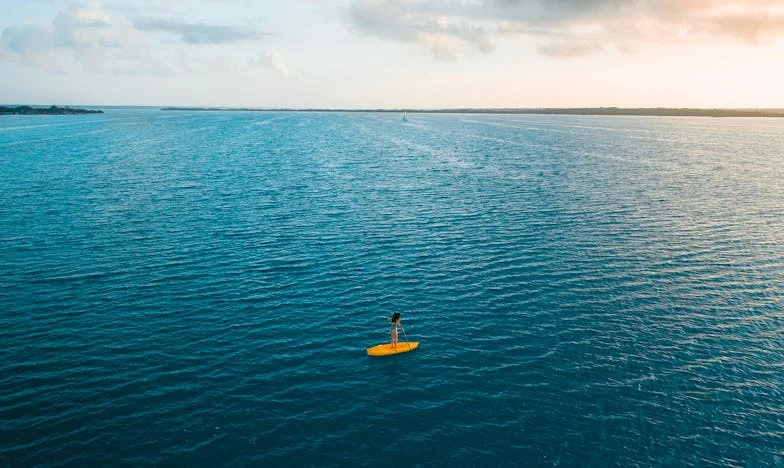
(395, 321)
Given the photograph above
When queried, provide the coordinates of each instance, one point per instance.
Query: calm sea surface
(199, 288)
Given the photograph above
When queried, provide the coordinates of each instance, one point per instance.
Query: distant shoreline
(52, 110)
(642, 111)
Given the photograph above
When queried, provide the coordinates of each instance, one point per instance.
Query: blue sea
(184, 288)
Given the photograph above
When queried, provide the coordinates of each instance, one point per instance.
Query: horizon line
(400, 109)
(609, 110)
(620, 111)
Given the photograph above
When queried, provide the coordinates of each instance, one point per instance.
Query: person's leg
(394, 337)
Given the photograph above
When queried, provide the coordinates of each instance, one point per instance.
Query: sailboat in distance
(405, 116)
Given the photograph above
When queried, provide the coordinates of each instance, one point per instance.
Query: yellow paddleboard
(387, 349)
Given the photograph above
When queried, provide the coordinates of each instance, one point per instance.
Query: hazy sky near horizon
(393, 53)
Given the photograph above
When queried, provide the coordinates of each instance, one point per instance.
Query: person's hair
(395, 317)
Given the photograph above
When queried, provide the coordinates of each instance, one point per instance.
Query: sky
(393, 53)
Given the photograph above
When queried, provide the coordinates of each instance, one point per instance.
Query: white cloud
(273, 60)
(87, 37)
(432, 26)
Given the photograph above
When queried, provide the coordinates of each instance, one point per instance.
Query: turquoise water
(185, 288)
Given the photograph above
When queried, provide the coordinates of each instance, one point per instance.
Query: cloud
(752, 28)
(74, 27)
(83, 32)
(195, 33)
(27, 40)
(564, 28)
(417, 23)
(87, 37)
(273, 60)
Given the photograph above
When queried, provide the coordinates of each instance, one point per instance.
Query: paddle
(406, 336)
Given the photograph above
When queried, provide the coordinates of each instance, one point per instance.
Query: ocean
(184, 288)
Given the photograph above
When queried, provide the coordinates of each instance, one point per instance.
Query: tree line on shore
(53, 110)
